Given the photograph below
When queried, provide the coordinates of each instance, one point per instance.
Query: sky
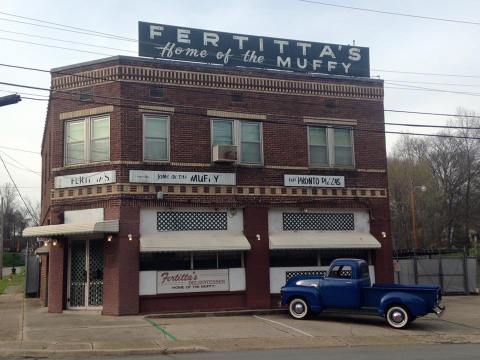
(396, 44)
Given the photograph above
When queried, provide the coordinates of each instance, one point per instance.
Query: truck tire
(298, 308)
(397, 317)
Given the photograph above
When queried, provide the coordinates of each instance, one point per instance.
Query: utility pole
(1, 237)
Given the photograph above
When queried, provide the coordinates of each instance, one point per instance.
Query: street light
(422, 188)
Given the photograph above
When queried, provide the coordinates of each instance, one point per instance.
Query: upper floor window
(330, 146)
(156, 138)
(246, 135)
(87, 140)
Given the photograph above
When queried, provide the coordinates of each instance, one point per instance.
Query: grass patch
(11, 258)
(12, 280)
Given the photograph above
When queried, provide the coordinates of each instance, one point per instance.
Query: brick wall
(285, 150)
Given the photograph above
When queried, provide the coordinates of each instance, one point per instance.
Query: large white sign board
(179, 177)
(314, 181)
(169, 282)
(94, 178)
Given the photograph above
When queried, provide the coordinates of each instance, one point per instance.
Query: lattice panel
(191, 221)
(290, 274)
(78, 274)
(318, 221)
(95, 289)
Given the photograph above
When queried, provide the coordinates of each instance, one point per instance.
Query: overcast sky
(396, 43)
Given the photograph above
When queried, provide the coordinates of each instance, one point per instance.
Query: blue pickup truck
(347, 286)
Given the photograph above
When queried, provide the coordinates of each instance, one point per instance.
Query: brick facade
(282, 102)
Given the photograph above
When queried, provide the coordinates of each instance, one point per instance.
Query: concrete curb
(216, 313)
(201, 346)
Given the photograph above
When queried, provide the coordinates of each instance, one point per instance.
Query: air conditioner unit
(224, 153)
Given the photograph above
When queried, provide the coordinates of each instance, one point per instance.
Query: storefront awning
(322, 240)
(195, 241)
(109, 226)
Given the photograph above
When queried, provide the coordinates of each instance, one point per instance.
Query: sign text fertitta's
(180, 43)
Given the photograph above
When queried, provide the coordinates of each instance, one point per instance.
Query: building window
(330, 147)
(246, 135)
(318, 221)
(150, 261)
(191, 221)
(87, 140)
(156, 135)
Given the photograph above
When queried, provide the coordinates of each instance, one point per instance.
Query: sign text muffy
(181, 43)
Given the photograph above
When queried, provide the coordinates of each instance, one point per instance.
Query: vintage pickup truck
(347, 286)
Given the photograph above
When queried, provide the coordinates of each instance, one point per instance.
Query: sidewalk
(28, 330)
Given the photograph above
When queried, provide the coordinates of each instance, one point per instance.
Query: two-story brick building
(173, 186)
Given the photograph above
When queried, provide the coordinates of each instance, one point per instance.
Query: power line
(117, 37)
(466, 22)
(427, 73)
(199, 91)
(431, 89)
(23, 167)
(65, 41)
(193, 107)
(55, 47)
(87, 32)
(17, 149)
(18, 191)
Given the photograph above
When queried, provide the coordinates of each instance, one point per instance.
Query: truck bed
(374, 294)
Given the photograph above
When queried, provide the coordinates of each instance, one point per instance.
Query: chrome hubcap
(397, 316)
(298, 308)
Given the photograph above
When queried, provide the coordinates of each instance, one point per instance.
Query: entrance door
(86, 274)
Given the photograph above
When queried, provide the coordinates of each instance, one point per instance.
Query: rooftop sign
(213, 47)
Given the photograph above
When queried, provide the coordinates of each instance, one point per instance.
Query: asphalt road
(426, 352)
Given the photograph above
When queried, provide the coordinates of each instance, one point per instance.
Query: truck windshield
(340, 272)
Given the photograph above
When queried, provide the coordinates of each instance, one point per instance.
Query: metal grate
(318, 221)
(78, 274)
(95, 267)
(290, 274)
(191, 221)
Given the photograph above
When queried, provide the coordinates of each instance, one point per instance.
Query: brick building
(171, 186)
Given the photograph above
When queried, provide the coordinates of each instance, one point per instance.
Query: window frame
(144, 138)
(330, 137)
(237, 139)
(87, 139)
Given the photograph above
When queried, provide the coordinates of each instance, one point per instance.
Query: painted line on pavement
(285, 325)
(161, 329)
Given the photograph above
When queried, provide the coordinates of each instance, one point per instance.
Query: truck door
(339, 289)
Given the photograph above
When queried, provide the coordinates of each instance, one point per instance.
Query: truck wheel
(397, 317)
(298, 308)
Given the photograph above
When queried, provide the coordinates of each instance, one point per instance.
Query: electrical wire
(18, 191)
(466, 22)
(227, 94)
(204, 115)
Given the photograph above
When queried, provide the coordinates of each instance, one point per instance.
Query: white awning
(322, 240)
(194, 241)
(109, 226)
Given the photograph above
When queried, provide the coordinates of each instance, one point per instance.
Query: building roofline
(119, 58)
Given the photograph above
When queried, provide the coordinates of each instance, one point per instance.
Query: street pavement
(423, 352)
(29, 330)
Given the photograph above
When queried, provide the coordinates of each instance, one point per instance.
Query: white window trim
(237, 141)
(331, 148)
(87, 140)
(153, 115)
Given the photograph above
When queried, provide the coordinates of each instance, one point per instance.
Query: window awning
(109, 226)
(322, 240)
(194, 241)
